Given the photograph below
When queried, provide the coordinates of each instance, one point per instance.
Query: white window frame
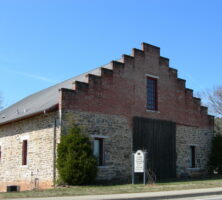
(24, 137)
(155, 77)
(152, 76)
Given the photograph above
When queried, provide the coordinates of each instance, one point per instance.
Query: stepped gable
(89, 88)
(104, 100)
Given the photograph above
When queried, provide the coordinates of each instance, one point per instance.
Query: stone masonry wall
(201, 139)
(118, 144)
(117, 141)
(39, 131)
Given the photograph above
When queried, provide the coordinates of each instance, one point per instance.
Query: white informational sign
(139, 159)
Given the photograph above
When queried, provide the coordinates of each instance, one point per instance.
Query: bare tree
(215, 100)
(202, 96)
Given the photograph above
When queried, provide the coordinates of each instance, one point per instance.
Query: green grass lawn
(115, 189)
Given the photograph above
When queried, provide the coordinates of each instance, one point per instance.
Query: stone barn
(136, 102)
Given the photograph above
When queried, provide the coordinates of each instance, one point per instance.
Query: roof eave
(50, 109)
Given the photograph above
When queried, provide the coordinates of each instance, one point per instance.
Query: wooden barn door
(158, 138)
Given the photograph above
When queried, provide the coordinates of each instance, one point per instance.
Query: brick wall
(39, 131)
(122, 91)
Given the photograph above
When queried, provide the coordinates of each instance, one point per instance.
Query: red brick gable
(121, 90)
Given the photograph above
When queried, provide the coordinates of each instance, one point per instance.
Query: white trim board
(99, 136)
(24, 137)
(152, 76)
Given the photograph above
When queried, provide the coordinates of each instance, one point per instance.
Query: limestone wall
(201, 139)
(117, 141)
(117, 134)
(39, 131)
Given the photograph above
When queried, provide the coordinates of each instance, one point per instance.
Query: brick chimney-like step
(80, 86)
(95, 77)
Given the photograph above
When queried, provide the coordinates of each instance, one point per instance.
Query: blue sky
(43, 42)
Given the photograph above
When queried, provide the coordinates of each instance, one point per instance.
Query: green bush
(75, 162)
(215, 158)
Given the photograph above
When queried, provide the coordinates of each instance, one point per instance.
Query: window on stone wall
(24, 152)
(192, 156)
(152, 93)
(98, 150)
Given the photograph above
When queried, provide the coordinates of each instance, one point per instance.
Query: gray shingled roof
(42, 100)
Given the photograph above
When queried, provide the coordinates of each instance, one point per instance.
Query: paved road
(195, 197)
(195, 194)
(213, 197)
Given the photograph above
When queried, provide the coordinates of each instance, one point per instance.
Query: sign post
(139, 165)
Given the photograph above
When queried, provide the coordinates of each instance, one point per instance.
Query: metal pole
(144, 177)
(132, 168)
(144, 167)
(54, 154)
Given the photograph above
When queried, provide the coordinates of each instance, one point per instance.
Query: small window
(24, 152)
(192, 157)
(0, 153)
(98, 150)
(152, 93)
